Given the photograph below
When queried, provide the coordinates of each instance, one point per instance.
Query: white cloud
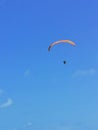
(88, 72)
(8, 103)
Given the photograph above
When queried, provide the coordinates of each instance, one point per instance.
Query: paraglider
(61, 41)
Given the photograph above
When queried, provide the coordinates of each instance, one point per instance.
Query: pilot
(64, 62)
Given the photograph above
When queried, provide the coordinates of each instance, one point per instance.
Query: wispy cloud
(8, 103)
(87, 72)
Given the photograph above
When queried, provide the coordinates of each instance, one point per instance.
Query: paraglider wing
(61, 41)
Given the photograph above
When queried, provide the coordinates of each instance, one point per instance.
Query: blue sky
(37, 91)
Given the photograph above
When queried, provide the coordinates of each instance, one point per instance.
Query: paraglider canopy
(61, 41)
